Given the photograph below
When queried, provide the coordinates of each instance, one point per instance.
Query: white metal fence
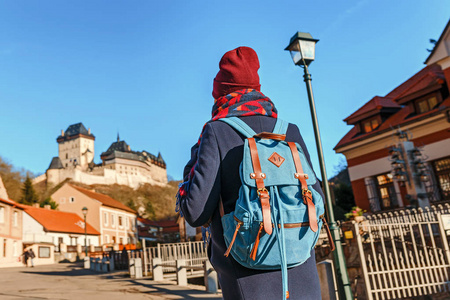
(404, 253)
(194, 253)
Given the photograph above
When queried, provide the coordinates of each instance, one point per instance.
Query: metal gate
(404, 254)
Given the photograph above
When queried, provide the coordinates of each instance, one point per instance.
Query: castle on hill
(120, 164)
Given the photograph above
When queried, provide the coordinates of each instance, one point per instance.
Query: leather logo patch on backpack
(276, 159)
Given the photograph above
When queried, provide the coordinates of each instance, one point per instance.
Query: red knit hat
(238, 70)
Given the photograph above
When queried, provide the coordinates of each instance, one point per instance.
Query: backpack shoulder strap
(280, 126)
(240, 126)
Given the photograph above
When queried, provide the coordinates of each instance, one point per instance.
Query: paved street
(70, 281)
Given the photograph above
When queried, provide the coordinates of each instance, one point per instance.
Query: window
(127, 222)
(120, 221)
(386, 191)
(106, 238)
(113, 220)
(370, 125)
(121, 241)
(67, 155)
(442, 171)
(4, 247)
(425, 105)
(2, 214)
(72, 199)
(15, 219)
(105, 217)
(44, 252)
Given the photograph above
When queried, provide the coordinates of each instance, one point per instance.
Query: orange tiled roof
(425, 80)
(371, 108)
(58, 221)
(10, 202)
(104, 199)
(167, 225)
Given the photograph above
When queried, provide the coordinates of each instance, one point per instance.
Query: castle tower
(76, 146)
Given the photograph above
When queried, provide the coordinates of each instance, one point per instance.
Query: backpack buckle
(305, 191)
(259, 191)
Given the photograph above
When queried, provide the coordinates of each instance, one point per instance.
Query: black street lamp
(302, 48)
(85, 210)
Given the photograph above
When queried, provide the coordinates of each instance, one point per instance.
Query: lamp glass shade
(84, 210)
(302, 44)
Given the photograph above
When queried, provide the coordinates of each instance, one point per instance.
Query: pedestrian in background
(32, 256)
(213, 174)
(26, 256)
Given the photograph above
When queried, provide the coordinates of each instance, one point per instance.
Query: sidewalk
(70, 282)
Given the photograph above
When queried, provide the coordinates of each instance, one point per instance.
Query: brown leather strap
(262, 191)
(330, 238)
(270, 135)
(307, 196)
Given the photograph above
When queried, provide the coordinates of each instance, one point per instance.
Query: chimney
(62, 132)
(36, 205)
(47, 206)
(89, 131)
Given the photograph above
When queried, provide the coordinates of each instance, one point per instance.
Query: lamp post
(302, 49)
(85, 210)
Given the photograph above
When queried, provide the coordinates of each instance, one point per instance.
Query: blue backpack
(278, 215)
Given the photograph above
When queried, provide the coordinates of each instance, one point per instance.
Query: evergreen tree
(49, 201)
(29, 195)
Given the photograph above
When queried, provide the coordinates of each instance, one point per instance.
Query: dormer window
(427, 104)
(370, 124)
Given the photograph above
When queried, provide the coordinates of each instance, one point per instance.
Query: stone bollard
(87, 262)
(137, 268)
(181, 272)
(92, 263)
(157, 269)
(211, 282)
(131, 268)
(111, 264)
(98, 265)
(105, 265)
(327, 280)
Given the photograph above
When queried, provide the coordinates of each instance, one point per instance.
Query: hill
(152, 202)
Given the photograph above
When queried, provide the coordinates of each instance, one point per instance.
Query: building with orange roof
(45, 229)
(398, 150)
(10, 230)
(115, 221)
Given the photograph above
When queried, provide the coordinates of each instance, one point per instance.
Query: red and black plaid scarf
(246, 102)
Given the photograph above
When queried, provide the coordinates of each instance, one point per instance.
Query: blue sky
(145, 68)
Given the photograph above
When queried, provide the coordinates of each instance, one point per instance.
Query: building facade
(115, 222)
(44, 225)
(120, 164)
(11, 247)
(398, 150)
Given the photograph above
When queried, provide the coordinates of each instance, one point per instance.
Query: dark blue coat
(217, 175)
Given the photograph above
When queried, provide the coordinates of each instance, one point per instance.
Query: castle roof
(56, 163)
(121, 149)
(73, 131)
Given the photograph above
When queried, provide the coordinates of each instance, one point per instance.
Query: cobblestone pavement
(70, 281)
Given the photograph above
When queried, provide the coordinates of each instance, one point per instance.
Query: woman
(213, 174)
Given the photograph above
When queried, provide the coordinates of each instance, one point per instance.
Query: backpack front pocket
(236, 234)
